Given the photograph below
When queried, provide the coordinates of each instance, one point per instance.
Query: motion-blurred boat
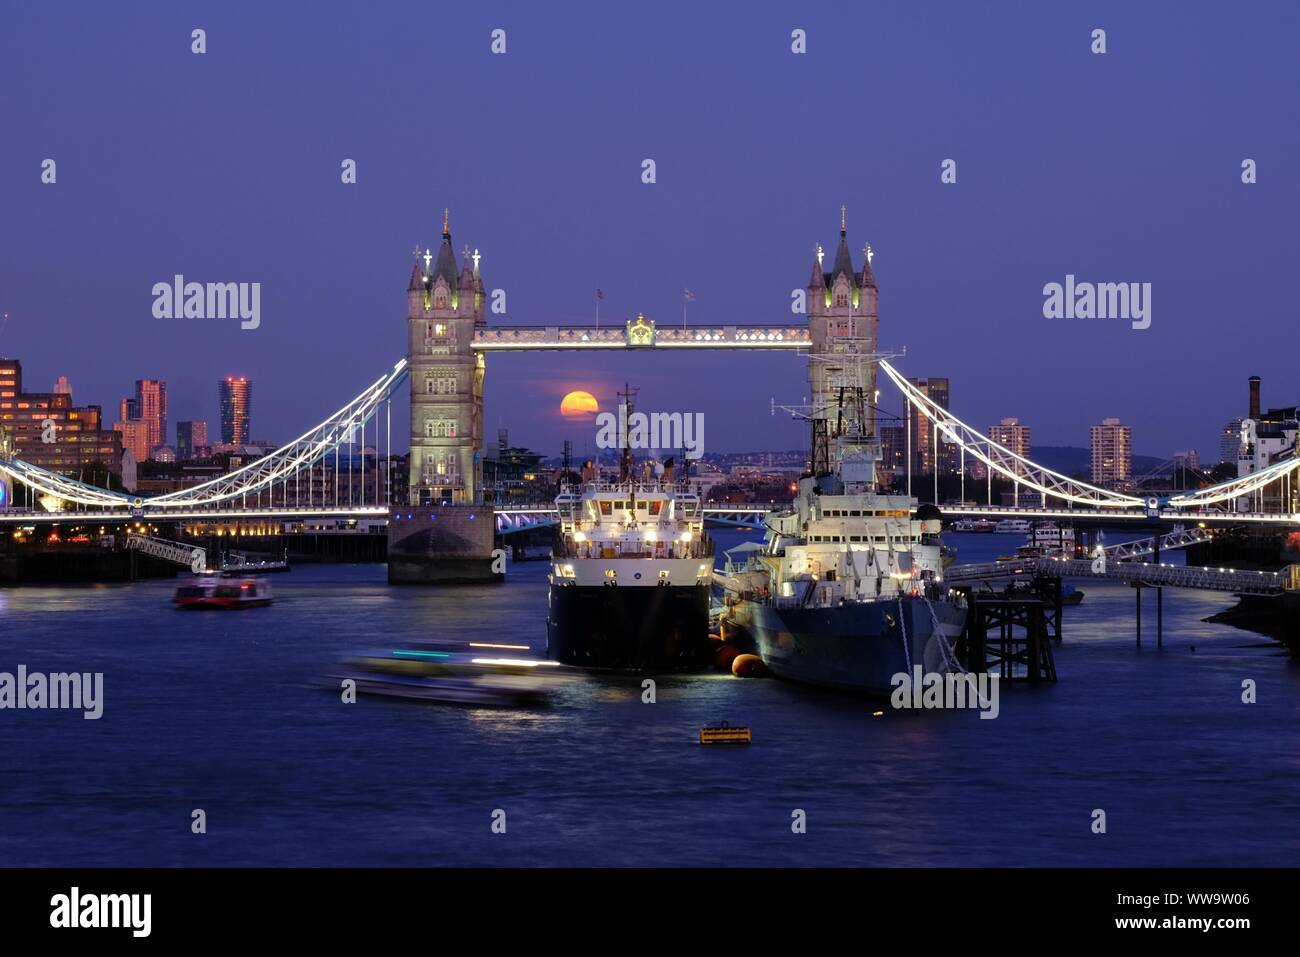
(450, 677)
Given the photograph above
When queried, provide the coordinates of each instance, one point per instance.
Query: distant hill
(1072, 460)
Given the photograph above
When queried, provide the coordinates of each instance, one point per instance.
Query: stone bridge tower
(842, 320)
(444, 307)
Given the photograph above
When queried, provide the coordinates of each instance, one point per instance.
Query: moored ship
(847, 589)
(630, 574)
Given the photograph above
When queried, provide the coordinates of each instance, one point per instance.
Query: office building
(48, 431)
(191, 440)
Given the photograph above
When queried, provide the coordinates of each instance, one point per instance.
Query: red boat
(224, 592)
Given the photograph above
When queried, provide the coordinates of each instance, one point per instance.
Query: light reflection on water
(217, 711)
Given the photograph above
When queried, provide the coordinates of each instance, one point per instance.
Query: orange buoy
(748, 666)
(725, 656)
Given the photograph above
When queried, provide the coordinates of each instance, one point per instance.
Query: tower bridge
(448, 340)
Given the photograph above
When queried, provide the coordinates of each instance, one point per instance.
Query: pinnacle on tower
(446, 264)
(818, 280)
(868, 276)
(466, 271)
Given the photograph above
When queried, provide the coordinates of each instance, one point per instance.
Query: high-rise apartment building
(143, 419)
(1112, 454)
(930, 450)
(235, 398)
(1011, 435)
(151, 400)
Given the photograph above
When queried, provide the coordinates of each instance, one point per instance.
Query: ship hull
(855, 646)
(652, 629)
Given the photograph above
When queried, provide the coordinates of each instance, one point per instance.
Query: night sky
(1123, 167)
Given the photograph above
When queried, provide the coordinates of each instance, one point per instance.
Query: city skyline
(1009, 430)
(961, 292)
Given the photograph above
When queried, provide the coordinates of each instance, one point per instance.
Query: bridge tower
(842, 320)
(444, 306)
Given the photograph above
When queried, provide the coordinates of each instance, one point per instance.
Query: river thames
(218, 712)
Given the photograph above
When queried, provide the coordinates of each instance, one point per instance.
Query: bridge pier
(442, 545)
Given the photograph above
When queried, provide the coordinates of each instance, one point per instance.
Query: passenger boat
(448, 677)
(222, 592)
(1016, 526)
(979, 525)
(1056, 541)
(1046, 540)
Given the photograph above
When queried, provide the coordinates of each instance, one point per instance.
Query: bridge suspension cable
(284, 463)
(1238, 487)
(1019, 469)
(45, 482)
(1002, 460)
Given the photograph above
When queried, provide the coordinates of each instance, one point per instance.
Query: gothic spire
(843, 259)
(446, 264)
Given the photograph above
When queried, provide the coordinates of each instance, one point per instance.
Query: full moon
(579, 405)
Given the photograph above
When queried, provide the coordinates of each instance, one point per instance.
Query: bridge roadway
(33, 516)
(517, 517)
(641, 334)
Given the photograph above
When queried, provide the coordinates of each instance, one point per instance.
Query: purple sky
(225, 167)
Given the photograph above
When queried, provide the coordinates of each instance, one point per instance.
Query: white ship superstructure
(845, 541)
(631, 534)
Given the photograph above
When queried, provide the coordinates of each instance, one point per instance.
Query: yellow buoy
(725, 734)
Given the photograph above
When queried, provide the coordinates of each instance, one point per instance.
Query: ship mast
(625, 409)
(841, 408)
